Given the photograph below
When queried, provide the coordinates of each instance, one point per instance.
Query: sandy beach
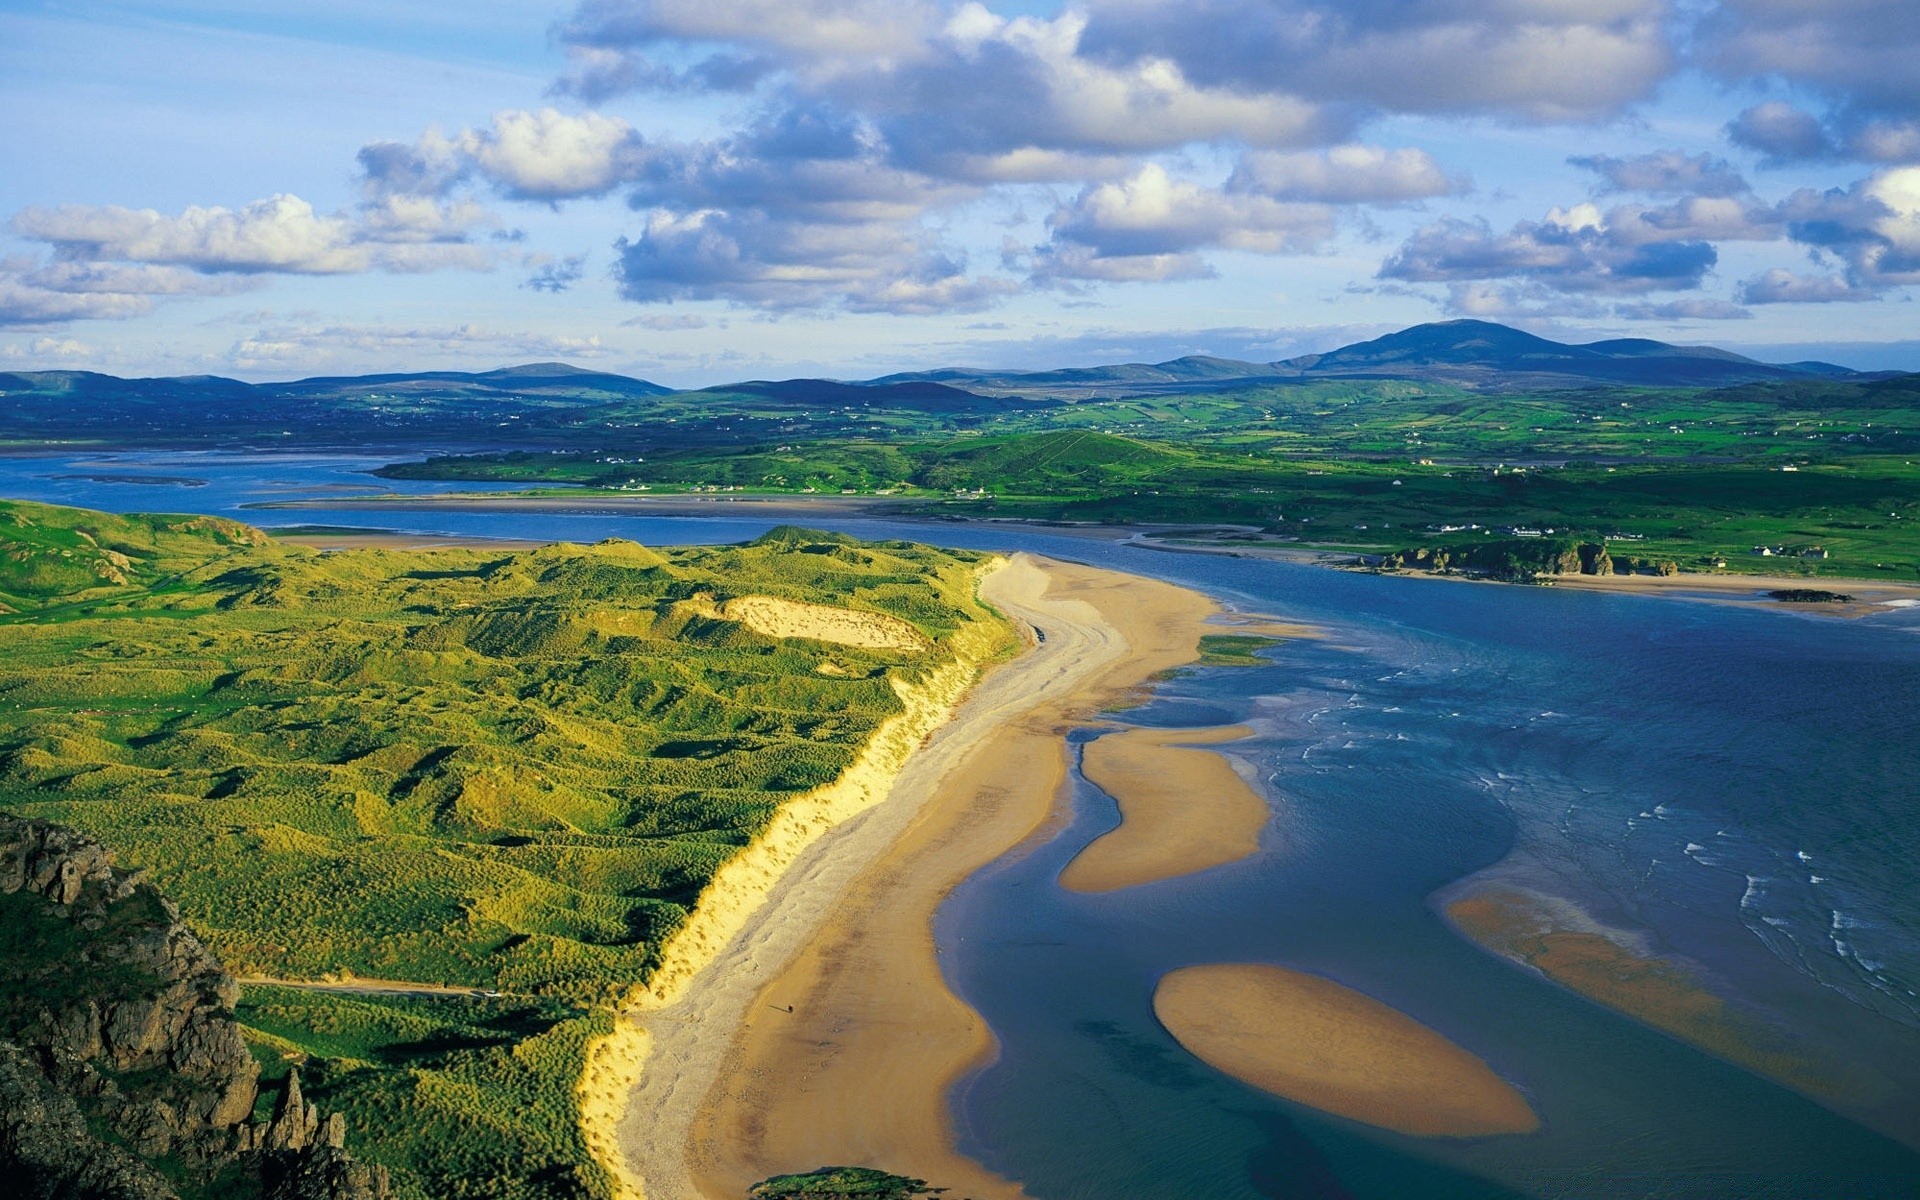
(857, 1072)
(1312, 1040)
(1183, 809)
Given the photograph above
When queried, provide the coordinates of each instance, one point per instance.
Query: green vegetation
(1234, 649)
(511, 772)
(1847, 511)
(841, 1183)
(459, 1096)
(1810, 596)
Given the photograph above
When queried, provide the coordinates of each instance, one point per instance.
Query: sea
(1731, 789)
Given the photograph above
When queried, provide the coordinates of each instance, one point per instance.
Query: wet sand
(1663, 994)
(1869, 596)
(736, 1087)
(1182, 810)
(1313, 1041)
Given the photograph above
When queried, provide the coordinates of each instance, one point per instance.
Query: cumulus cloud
(1694, 218)
(1521, 301)
(553, 277)
(1857, 56)
(1348, 174)
(1572, 250)
(309, 346)
(1872, 226)
(1782, 134)
(1152, 214)
(1687, 308)
(1861, 53)
(1566, 60)
(752, 257)
(546, 155)
(1780, 286)
(282, 234)
(1665, 172)
(36, 292)
(45, 349)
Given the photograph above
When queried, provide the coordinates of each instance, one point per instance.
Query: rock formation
(114, 1016)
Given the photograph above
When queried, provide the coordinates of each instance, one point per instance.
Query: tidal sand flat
(1182, 809)
(1664, 994)
(857, 1072)
(1310, 1040)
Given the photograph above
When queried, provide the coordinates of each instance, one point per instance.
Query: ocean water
(1735, 789)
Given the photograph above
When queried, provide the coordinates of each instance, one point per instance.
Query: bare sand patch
(1313, 1041)
(1182, 809)
(774, 617)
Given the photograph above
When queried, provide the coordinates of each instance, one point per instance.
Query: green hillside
(506, 772)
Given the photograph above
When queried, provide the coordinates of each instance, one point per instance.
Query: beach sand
(1315, 1042)
(735, 1087)
(1182, 810)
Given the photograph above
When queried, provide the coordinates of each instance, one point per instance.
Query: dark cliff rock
(122, 1071)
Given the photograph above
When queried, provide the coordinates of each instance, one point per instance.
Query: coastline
(845, 937)
(739, 891)
(1870, 595)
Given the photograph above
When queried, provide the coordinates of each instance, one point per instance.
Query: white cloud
(1572, 250)
(1153, 211)
(1347, 174)
(282, 234)
(1786, 287)
(1873, 226)
(1559, 61)
(779, 263)
(312, 346)
(548, 155)
(1666, 173)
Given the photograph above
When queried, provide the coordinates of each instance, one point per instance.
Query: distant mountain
(1484, 354)
(437, 406)
(1477, 354)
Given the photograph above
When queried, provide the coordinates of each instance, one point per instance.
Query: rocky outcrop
(114, 1017)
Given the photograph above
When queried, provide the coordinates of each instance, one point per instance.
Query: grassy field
(1853, 499)
(512, 772)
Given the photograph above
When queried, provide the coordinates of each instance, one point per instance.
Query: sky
(701, 191)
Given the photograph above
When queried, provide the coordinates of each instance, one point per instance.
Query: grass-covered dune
(511, 772)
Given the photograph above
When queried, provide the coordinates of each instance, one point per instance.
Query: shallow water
(1738, 788)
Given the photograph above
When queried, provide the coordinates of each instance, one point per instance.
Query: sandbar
(1662, 993)
(735, 1087)
(1182, 809)
(1318, 1043)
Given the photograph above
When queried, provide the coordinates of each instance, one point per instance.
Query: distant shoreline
(1869, 595)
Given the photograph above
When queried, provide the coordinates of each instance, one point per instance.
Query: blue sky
(704, 190)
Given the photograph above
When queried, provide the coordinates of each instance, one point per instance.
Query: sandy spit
(744, 893)
(735, 1087)
(1314, 1041)
(1182, 809)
